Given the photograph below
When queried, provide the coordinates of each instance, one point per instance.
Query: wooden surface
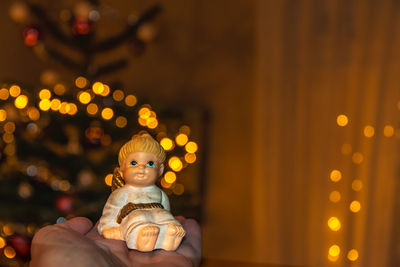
(223, 263)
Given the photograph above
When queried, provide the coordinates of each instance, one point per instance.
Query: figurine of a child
(137, 211)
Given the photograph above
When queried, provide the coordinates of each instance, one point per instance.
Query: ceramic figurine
(137, 211)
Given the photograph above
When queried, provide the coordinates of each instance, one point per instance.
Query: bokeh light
(342, 120)
(130, 100)
(355, 206)
(98, 88)
(167, 143)
(21, 101)
(190, 157)
(8, 229)
(15, 90)
(73, 109)
(107, 113)
(388, 131)
(44, 104)
(9, 127)
(92, 109)
(81, 82)
(181, 139)
(191, 147)
(84, 97)
(334, 224)
(118, 95)
(59, 89)
(185, 129)
(106, 90)
(369, 131)
(352, 255)
(334, 250)
(152, 123)
(108, 179)
(175, 164)
(121, 122)
(178, 189)
(55, 104)
(336, 176)
(33, 113)
(356, 185)
(170, 177)
(4, 94)
(144, 113)
(9, 252)
(3, 115)
(45, 94)
(357, 158)
(2, 242)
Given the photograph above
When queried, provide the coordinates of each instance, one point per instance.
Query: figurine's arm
(165, 201)
(108, 225)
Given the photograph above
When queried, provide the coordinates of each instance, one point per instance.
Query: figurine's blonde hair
(139, 143)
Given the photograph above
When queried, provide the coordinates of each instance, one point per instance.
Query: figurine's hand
(77, 243)
(112, 232)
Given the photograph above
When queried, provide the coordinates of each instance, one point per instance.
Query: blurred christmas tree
(59, 143)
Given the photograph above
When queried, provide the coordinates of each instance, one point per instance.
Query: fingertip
(79, 224)
(180, 218)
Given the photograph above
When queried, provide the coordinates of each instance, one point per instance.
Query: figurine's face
(141, 169)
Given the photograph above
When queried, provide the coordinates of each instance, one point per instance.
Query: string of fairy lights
(20, 105)
(335, 196)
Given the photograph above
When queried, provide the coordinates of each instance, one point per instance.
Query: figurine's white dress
(140, 217)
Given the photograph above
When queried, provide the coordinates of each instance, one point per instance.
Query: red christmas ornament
(64, 203)
(31, 36)
(81, 26)
(21, 244)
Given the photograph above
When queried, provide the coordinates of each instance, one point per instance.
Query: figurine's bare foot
(173, 237)
(147, 237)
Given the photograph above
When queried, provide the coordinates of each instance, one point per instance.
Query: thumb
(81, 225)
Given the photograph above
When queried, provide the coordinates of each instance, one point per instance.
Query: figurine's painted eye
(150, 164)
(133, 163)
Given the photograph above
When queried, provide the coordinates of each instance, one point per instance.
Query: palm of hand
(76, 242)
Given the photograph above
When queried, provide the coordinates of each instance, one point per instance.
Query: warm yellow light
(44, 94)
(15, 90)
(356, 185)
(108, 179)
(44, 104)
(167, 143)
(152, 123)
(21, 101)
(118, 95)
(144, 113)
(352, 255)
(84, 97)
(33, 113)
(357, 158)
(106, 90)
(8, 138)
(334, 224)
(332, 259)
(98, 88)
(164, 183)
(121, 122)
(178, 189)
(130, 100)
(81, 82)
(346, 149)
(3, 115)
(73, 109)
(55, 104)
(334, 250)
(190, 157)
(181, 139)
(342, 120)
(64, 185)
(9, 127)
(107, 113)
(175, 164)
(355, 206)
(4, 94)
(185, 129)
(191, 147)
(142, 121)
(8, 229)
(9, 149)
(2, 242)
(369, 131)
(59, 89)
(388, 131)
(9, 252)
(336, 175)
(170, 177)
(64, 108)
(92, 109)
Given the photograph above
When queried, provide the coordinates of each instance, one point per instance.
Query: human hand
(112, 233)
(77, 243)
